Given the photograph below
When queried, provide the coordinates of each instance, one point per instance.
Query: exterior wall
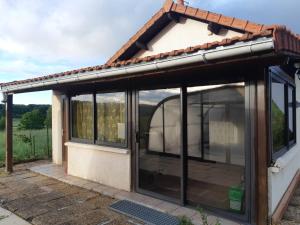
(186, 33)
(105, 165)
(57, 127)
(280, 178)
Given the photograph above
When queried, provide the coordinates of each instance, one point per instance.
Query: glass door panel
(159, 163)
(216, 146)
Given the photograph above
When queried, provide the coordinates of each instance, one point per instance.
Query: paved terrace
(43, 194)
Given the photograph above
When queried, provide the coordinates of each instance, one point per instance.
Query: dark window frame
(275, 73)
(250, 96)
(94, 141)
(107, 143)
(75, 139)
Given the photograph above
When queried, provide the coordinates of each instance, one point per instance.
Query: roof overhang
(238, 50)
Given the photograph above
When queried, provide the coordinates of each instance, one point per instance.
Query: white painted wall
(57, 127)
(186, 33)
(279, 181)
(105, 165)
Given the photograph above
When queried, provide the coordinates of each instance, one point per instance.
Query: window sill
(97, 148)
(284, 160)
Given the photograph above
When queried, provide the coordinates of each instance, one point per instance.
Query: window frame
(106, 143)
(275, 73)
(94, 141)
(75, 139)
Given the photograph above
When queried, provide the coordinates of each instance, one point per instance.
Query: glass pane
(82, 117)
(291, 114)
(111, 117)
(278, 115)
(216, 146)
(159, 148)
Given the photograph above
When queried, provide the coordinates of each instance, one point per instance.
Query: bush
(32, 121)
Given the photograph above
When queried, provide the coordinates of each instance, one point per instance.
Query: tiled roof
(171, 7)
(134, 61)
(285, 41)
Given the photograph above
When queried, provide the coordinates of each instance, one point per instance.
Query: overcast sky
(38, 37)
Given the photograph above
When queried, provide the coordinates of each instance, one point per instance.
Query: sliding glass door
(216, 146)
(192, 146)
(159, 142)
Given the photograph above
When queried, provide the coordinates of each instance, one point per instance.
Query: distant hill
(19, 110)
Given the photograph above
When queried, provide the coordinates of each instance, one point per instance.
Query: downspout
(198, 57)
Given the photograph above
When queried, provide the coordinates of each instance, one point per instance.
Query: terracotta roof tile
(284, 40)
(226, 21)
(180, 8)
(239, 24)
(195, 13)
(201, 14)
(191, 11)
(168, 5)
(213, 17)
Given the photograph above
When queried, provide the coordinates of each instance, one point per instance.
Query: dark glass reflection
(291, 114)
(278, 115)
(82, 117)
(216, 146)
(159, 148)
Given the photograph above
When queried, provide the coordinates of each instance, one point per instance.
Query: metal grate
(144, 214)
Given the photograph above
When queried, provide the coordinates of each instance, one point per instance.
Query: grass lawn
(24, 151)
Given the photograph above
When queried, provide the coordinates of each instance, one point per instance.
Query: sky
(40, 37)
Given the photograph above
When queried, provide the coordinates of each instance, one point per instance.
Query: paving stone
(33, 211)
(182, 211)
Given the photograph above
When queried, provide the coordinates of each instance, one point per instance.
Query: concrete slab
(8, 218)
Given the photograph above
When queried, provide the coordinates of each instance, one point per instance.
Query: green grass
(24, 151)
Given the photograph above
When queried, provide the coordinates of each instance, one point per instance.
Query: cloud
(38, 37)
(83, 30)
(70, 29)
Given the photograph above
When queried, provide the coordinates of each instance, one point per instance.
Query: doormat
(144, 214)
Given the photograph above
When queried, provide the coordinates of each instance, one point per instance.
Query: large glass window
(278, 115)
(283, 114)
(159, 142)
(99, 118)
(82, 117)
(216, 146)
(111, 118)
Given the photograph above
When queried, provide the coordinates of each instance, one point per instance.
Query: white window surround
(98, 148)
(284, 160)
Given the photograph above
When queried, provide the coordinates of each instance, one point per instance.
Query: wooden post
(262, 154)
(9, 134)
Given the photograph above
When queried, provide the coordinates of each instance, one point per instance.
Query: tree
(32, 120)
(2, 123)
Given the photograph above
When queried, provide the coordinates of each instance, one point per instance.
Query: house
(197, 108)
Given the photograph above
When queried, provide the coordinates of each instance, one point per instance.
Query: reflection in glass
(278, 115)
(216, 146)
(291, 113)
(159, 148)
(111, 117)
(82, 117)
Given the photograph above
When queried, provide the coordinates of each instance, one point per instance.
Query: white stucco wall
(280, 180)
(186, 33)
(105, 165)
(57, 127)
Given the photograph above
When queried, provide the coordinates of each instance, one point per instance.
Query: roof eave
(202, 56)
